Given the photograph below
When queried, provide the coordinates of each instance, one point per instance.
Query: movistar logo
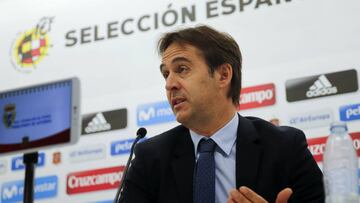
(44, 187)
(153, 113)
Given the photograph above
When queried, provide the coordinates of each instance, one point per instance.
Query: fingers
(235, 196)
(251, 195)
(246, 195)
(284, 195)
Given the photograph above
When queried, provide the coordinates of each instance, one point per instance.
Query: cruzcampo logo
(9, 115)
(31, 46)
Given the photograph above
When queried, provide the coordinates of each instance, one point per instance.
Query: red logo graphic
(56, 158)
(94, 180)
(317, 145)
(257, 96)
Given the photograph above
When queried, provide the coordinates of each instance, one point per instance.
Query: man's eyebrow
(175, 60)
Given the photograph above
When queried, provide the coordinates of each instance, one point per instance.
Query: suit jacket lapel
(248, 154)
(183, 164)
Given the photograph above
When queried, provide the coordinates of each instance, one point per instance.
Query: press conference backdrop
(301, 68)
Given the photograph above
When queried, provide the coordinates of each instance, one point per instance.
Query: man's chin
(181, 118)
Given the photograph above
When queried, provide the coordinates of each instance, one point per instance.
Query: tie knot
(206, 145)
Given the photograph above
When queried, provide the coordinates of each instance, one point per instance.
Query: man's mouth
(177, 101)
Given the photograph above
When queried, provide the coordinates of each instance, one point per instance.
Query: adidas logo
(98, 123)
(321, 86)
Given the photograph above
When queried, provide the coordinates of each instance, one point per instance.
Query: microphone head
(141, 132)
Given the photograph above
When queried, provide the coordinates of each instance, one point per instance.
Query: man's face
(191, 90)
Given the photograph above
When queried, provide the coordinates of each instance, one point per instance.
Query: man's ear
(225, 73)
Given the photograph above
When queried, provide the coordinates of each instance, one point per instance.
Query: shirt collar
(224, 138)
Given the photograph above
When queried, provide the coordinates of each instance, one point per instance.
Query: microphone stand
(140, 134)
(29, 159)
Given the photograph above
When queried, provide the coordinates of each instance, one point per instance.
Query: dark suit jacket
(268, 159)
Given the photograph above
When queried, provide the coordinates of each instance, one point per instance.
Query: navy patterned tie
(204, 175)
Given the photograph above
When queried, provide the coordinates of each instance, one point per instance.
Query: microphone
(141, 132)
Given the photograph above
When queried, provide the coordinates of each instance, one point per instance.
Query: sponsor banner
(87, 153)
(350, 112)
(17, 162)
(94, 180)
(154, 113)
(257, 96)
(359, 180)
(104, 121)
(44, 187)
(312, 119)
(321, 85)
(3, 166)
(317, 145)
(121, 147)
(106, 201)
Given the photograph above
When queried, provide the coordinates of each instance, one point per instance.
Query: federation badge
(9, 115)
(31, 46)
(56, 158)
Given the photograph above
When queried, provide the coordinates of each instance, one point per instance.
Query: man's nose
(171, 82)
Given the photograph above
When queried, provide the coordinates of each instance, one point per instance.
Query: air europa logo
(31, 46)
(94, 180)
(257, 96)
(321, 117)
(87, 153)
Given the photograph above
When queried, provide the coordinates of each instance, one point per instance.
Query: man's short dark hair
(217, 48)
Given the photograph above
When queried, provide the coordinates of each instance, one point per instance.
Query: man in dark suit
(249, 159)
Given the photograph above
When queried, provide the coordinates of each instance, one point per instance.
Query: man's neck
(214, 124)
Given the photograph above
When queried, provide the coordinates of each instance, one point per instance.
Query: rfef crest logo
(31, 46)
(9, 115)
(56, 158)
